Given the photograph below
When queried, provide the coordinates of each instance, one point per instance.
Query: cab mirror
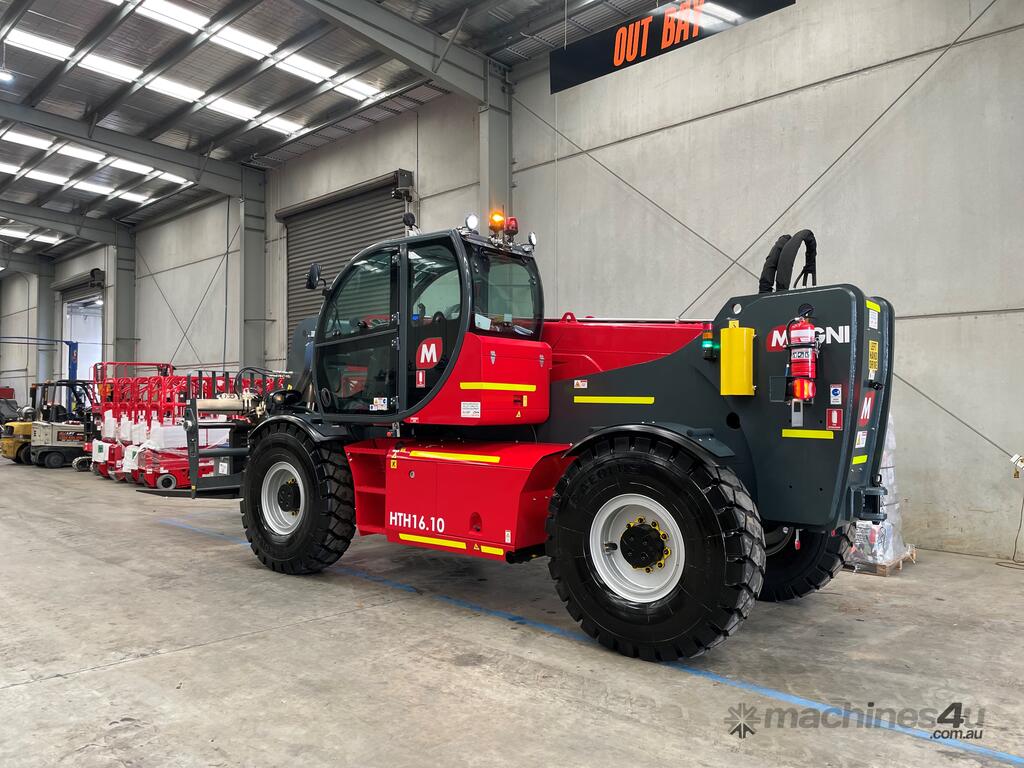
(313, 276)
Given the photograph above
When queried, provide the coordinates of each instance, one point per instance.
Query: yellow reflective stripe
(495, 386)
(811, 434)
(860, 459)
(613, 400)
(491, 550)
(455, 456)
(872, 305)
(428, 540)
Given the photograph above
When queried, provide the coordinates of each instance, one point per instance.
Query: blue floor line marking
(551, 629)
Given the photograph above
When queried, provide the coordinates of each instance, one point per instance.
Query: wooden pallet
(884, 569)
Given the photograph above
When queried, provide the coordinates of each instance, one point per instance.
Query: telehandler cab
(672, 471)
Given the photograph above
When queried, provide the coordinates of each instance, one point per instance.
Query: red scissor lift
(123, 394)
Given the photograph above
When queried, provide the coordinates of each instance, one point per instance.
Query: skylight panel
(29, 141)
(233, 108)
(50, 178)
(110, 68)
(306, 68)
(99, 189)
(49, 239)
(133, 197)
(38, 44)
(73, 150)
(283, 126)
(244, 43)
(175, 89)
(172, 15)
(128, 165)
(172, 178)
(8, 168)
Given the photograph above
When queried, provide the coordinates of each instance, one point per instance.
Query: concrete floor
(138, 631)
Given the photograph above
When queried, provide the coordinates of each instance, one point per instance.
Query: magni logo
(837, 335)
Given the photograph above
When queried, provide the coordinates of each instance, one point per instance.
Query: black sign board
(664, 29)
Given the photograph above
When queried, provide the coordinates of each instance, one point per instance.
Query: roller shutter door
(332, 234)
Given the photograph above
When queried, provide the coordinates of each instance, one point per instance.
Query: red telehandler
(672, 471)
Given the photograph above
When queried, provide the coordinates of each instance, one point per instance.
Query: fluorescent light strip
(29, 141)
(98, 189)
(233, 109)
(132, 197)
(281, 125)
(175, 89)
(40, 45)
(172, 15)
(50, 178)
(111, 68)
(128, 165)
(73, 150)
(8, 168)
(244, 43)
(172, 178)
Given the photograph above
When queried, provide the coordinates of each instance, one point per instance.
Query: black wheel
(166, 482)
(298, 507)
(17, 456)
(656, 553)
(792, 572)
(82, 463)
(53, 460)
(25, 454)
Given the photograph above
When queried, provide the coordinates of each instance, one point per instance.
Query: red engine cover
(495, 381)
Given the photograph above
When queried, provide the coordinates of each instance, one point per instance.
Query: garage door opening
(83, 322)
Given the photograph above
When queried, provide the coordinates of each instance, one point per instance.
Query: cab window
(506, 295)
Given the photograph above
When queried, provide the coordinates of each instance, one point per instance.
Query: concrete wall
(18, 305)
(438, 144)
(184, 315)
(645, 186)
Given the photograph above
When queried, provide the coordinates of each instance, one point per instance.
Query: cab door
(433, 296)
(357, 340)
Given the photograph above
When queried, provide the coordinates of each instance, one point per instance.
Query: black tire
(82, 463)
(24, 454)
(16, 458)
(791, 573)
(328, 518)
(721, 531)
(53, 460)
(166, 482)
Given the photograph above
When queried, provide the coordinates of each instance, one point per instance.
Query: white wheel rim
(635, 584)
(281, 521)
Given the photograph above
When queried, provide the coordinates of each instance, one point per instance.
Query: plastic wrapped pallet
(109, 428)
(883, 542)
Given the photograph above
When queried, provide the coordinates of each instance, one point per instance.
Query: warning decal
(873, 355)
(834, 419)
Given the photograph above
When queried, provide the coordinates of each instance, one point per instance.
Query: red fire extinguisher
(802, 341)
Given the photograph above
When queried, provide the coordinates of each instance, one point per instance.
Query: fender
(701, 442)
(318, 433)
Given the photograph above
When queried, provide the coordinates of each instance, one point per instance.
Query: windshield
(506, 294)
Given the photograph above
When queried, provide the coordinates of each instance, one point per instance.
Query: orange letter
(683, 25)
(696, 17)
(668, 29)
(645, 28)
(620, 46)
(633, 41)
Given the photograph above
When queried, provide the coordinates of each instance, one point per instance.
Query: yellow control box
(737, 356)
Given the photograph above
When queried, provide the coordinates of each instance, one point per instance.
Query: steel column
(253, 268)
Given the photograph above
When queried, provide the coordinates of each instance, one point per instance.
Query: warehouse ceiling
(259, 81)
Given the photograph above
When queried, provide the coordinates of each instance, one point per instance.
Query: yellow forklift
(16, 440)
